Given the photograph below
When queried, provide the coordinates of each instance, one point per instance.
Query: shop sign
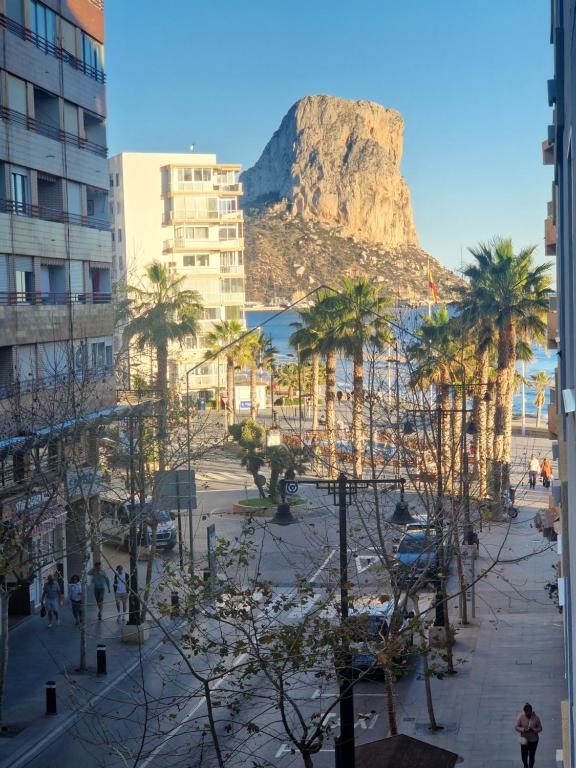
(83, 482)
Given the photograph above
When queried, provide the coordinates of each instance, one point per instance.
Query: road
(159, 711)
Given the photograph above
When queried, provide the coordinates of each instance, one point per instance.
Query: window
(101, 355)
(194, 174)
(192, 233)
(230, 258)
(113, 236)
(80, 358)
(42, 24)
(227, 233)
(16, 90)
(210, 313)
(24, 274)
(228, 205)
(117, 179)
(119, 235)
(91, 55)
(111, 209)
(111, 179)
(232, 285)
(20, 192)
(196, 260)
(118, 207)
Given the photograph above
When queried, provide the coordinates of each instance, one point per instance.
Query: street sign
(173, 488)
(291, 487)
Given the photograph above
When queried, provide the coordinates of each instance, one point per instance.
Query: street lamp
(342, 490)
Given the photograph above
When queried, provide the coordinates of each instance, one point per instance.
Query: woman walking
(51, 599)
(75, 597)
(546, 472)
(528, 726)
(533, 469)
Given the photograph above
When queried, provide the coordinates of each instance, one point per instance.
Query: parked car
(417, 555)
(371, 621)
(116, 516)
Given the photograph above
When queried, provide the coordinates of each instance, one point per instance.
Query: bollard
(175, 602)
(101, 659)
(50, 697)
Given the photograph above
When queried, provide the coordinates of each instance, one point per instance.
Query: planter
(263, 507)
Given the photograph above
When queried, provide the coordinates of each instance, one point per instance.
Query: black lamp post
(342, 490)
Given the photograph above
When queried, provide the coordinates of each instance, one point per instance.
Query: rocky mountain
(326, 198)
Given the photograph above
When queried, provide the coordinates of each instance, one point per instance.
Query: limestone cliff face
(337, 162)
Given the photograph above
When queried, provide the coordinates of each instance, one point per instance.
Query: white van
(115, 519)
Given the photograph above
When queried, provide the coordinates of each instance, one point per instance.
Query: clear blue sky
(469, 77)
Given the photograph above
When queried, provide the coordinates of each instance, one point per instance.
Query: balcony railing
(190, 216)
(231, 269)
(52, 298)
(51, 49)
(51, 214)
(52, 381)
(204, 186)
(52, 132)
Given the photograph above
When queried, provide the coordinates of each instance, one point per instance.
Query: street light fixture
(342, 491)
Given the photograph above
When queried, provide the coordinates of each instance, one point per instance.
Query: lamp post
(342, 490)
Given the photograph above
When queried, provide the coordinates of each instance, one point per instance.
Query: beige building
(56, 325)
(182, 210)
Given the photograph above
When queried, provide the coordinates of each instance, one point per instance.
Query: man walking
(533, 470)
(99, 583)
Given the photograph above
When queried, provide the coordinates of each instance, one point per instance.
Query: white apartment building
(182, 210)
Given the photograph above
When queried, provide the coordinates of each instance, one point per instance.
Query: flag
(432, 286)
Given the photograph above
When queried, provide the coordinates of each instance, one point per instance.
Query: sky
(468, 76)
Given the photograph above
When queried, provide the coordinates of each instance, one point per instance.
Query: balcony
(50, 131)
(51, 214)
(186, 217)
(549, 236)
(552, 338)
(185, 244)
(183, 187)
(45, 322)
(50, 49)
(548, 153)
(232, 269)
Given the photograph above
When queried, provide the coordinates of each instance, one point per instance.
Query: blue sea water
(279, 328)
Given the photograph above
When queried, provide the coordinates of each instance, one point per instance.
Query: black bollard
(51, 698)
(175, 603)
(101, 659)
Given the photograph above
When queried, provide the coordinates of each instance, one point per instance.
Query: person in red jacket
(528, 726)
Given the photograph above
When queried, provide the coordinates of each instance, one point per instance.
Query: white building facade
(182, 210)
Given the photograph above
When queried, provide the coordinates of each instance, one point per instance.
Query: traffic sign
(291, 487)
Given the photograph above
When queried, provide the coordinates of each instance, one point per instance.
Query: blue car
(417, 555)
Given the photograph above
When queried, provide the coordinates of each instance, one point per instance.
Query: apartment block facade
(182, 210)
(56, 324)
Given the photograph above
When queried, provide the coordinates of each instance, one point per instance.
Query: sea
(278, 325)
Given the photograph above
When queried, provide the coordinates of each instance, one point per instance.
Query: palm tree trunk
(446, 453)
(538, 415)
(253, 393)
(479, 413)
(315, 393)
(330, 398)
(357, 408)
(162, 384)
(507, 442)
(230, 405)
(500, 413)
(457, 442)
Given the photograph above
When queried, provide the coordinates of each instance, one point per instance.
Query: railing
(231, 269)
(52, 298)
(51, 49)
(184, 216)
(37, 384)
(204, 186)
(52, 132)
(51, 214)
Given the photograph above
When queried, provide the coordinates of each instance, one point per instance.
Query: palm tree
(161, 312)
(540, 381)
(255, 352)
(221, 340)
(435, 359)
(287, 378)
(304, 340)
(362, 323)
(513, 295)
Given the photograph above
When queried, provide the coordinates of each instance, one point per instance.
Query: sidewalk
(39, 654)
(513, 651)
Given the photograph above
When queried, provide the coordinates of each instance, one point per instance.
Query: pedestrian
(533, 469)
(528, 726)
(121, 582)
(75, 597)
(51, 599)
(546, 472)
(99, 583)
